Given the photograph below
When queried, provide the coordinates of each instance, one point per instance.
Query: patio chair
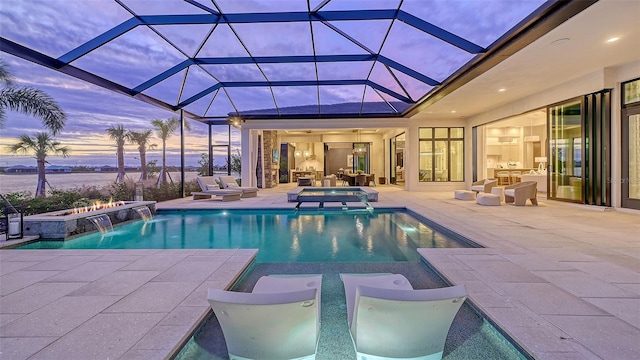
(280, 319)
(484, 186)
(229, 182)
(306, 180)
(210, 188)
(388, 319)
(519, 193)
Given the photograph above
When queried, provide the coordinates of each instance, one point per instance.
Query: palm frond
(6, 77)
(34, 102)
(41, 145)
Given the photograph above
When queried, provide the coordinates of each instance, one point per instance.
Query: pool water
(281, 236)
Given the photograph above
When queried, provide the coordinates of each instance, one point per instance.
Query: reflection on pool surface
(281, 236)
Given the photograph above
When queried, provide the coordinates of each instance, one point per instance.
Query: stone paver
(562, 280)
(130, 304)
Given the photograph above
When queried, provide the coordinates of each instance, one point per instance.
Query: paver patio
(562, 280)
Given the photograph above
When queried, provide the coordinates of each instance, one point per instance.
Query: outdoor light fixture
(361, 150)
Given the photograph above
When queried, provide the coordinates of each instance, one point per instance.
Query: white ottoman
(488, 200)
(498, 190)
(464, 195)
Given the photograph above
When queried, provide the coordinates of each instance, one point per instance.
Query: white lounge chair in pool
(210, 188)
(280, 319)
(388, 319)
(229, 182)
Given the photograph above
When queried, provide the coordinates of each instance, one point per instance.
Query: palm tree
(143, 140)
(29, 101)
(42, 145)
(119, 135)
(164, 129)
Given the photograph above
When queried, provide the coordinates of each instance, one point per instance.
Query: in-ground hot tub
(332, 194)
(63, 224)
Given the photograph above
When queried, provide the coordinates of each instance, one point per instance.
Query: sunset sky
(56, 27)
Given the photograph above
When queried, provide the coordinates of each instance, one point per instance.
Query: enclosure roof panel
(264, 58)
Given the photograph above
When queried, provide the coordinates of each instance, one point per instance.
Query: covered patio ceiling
(302, 59)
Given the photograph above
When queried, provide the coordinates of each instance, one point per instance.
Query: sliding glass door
(566, 150)
(579, 149)
(631, 158)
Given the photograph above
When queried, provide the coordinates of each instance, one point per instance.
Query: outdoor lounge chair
(228, 182)
(280, 319)
(484, 186)
(210, 188)
(388, 319)
(519, 193)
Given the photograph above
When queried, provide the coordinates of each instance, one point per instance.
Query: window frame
(433, 139)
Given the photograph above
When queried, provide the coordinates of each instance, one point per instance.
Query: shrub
(57, 200)
(87, 195)
(123, 191)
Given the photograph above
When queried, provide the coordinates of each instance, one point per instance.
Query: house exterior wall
(413, 153)
(606, 78)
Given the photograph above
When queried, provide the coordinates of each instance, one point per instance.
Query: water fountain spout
(144, 213)
(102, 222)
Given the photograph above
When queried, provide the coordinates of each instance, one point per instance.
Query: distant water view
(27, 182)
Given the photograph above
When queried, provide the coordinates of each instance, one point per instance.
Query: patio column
(246, 144)
(210, 169)
(182, 161)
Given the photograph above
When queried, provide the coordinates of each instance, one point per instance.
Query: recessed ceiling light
(502, 90)
(613, 39)
(453, 111)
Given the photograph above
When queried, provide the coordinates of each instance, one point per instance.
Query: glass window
(442, 133)
(426, 161)
(457, 133)
(441, 154)
(631, 92)
(426, 133)
(634, 157)
(456, 154)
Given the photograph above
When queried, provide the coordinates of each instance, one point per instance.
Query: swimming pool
(281, 235)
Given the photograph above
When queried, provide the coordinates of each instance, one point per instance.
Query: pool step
(333, 205)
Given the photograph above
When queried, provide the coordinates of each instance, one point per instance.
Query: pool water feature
(102, 222)
(281, 236)
(144, 212)
(470, 336)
